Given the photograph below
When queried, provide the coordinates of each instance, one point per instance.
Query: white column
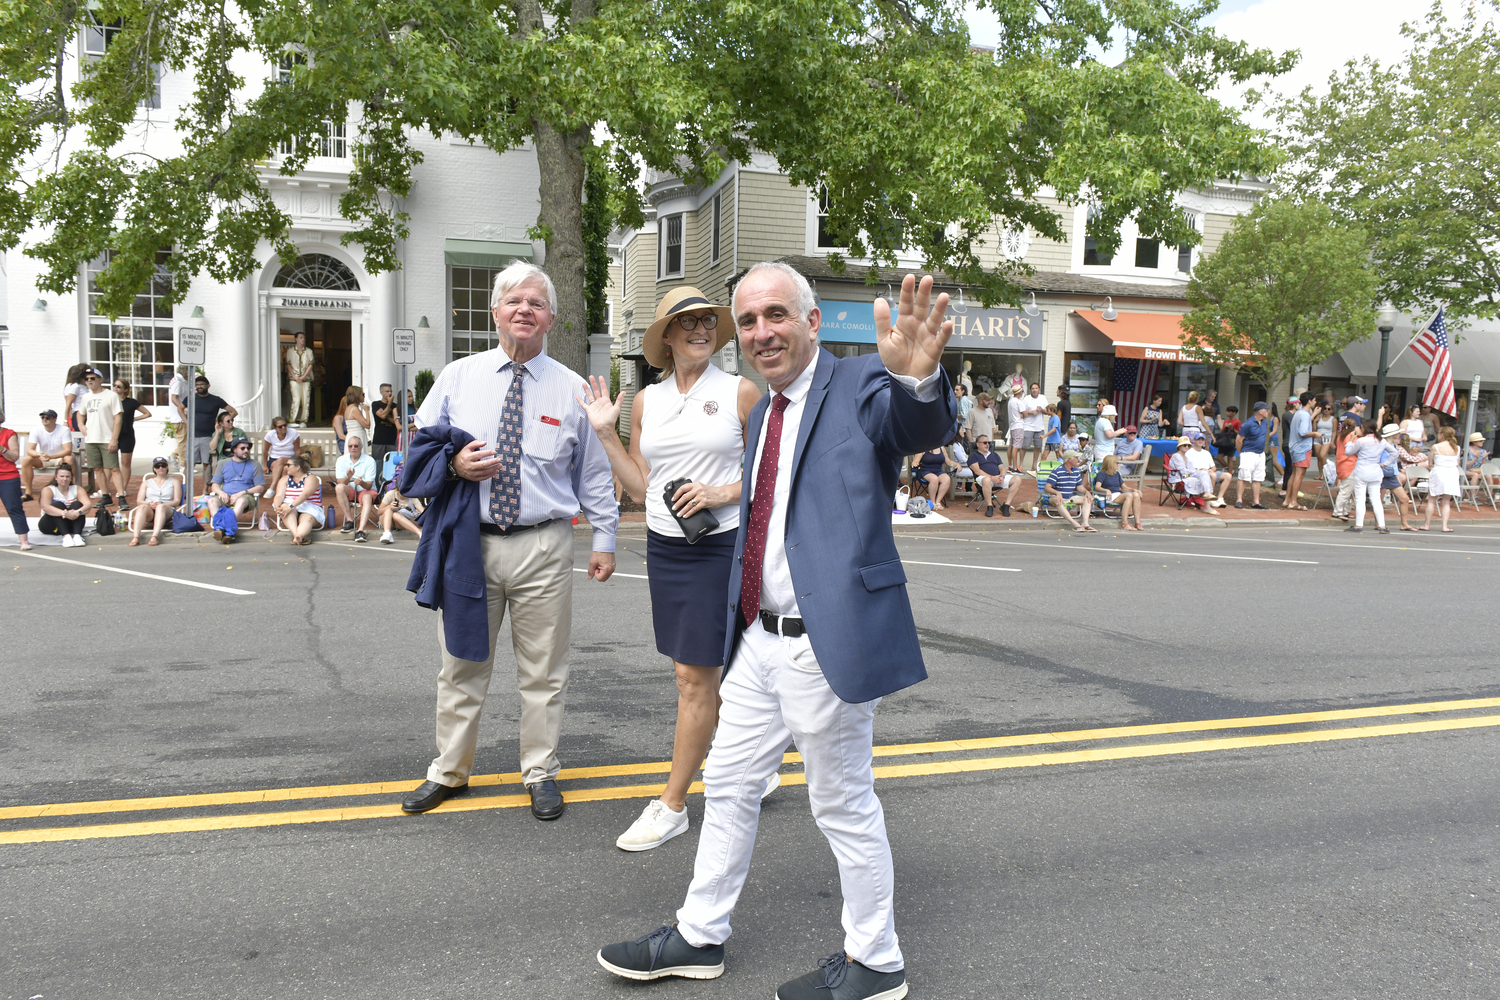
(384, 316)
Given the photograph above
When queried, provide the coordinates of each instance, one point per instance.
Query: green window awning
(484, 253)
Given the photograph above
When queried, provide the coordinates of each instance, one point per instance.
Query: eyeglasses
(515, 302)
(690, 323)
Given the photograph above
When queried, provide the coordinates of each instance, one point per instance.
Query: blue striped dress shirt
(563, 465)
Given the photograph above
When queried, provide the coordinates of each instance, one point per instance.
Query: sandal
(135, 540)
(153, 540)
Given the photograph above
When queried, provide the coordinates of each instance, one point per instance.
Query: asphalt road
(1338, 840)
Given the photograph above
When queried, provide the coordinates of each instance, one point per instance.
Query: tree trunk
(559, 158)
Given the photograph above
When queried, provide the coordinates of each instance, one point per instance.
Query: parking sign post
(191, 350)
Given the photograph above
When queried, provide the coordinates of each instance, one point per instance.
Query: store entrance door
(332, 347)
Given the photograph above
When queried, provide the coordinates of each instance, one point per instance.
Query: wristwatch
(452, 472)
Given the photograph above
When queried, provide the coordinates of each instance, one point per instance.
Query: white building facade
(469, 214)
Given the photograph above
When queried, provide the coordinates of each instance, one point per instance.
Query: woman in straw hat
(690, 426)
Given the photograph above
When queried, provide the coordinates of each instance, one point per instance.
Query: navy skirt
(690, 595)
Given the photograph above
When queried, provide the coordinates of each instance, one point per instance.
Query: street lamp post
(1387, 323)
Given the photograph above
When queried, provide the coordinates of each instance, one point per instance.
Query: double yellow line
(953, 764)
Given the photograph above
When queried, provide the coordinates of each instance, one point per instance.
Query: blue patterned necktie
(505, 490)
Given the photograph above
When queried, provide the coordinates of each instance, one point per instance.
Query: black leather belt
(792, 628)
(491, 528)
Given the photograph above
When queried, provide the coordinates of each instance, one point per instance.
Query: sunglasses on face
(691, 323)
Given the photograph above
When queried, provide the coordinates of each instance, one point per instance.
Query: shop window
(825, 234)
(473, 326)
(1147, 253)
(669, 264)
(1185, 251)
(718, 217)
(317, 270)
(98, 36)
(138, 347)
(1092, 257)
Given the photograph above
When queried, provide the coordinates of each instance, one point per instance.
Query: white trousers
(1361, 489)
(775, 693)
(301, 393)
(1198, 483)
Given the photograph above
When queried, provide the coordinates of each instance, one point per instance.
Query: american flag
(1134, 385)
(1432, 347)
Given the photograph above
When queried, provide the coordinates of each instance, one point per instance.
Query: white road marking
(1357, 545)
(633, 576)
(408, 552)
(1086, 547)
(992, 569)
(148, 576)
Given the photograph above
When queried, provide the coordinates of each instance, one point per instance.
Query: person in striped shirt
(1063, 486)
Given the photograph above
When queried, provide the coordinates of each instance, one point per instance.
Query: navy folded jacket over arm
(448, 571)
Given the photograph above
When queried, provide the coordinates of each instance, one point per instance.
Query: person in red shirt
(10, 483)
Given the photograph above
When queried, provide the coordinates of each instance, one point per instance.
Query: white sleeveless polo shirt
(695, 435)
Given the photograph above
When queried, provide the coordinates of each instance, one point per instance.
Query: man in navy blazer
(820, 623)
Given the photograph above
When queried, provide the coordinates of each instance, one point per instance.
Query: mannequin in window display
(1014, 382)
(299, 373)
(966, 380)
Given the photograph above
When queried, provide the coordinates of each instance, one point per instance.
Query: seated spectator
(299, 500)
(220, 443)
(397, 511)
(65, 508)
(280, 444)
(1070, 440)
(1474, 457)
(1063, 487)
(1131, 451)
(1180, 470)
(1201, 466)
(355, 486)
(1111, 488)
(237, 484)
(47, 449)
(932, 468)
(154, 502)
(1229, 429)
(990, 472)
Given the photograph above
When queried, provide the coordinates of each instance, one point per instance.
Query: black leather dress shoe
(430, 794)
(546, 800)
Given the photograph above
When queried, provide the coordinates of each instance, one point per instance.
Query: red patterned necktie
(760, 512)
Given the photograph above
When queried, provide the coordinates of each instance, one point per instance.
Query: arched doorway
(331, 339)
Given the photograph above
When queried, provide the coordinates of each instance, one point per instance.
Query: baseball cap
(1130, 428)
(1293, 399)
(1071, 453)
(1259, 405)
(159, 463)
(48, 414)
(237, 442)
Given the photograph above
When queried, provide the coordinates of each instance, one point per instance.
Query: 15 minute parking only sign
(404, 346)
(191, 346)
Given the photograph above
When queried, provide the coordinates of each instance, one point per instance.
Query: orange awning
(1144, 335)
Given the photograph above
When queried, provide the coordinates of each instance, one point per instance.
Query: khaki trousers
(531, 576)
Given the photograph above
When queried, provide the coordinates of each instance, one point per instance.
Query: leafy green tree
(914, 132)
(1287, 287)
(1412, 152)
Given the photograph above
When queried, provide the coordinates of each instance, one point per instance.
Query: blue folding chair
(388, 469)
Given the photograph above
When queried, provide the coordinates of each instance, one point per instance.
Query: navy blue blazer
(448, 571)
(857, 428)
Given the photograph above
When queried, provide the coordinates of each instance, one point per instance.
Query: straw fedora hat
(678, 300)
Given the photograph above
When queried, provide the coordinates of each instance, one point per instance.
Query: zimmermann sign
(288, 303)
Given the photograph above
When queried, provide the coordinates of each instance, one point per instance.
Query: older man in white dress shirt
(527, 498)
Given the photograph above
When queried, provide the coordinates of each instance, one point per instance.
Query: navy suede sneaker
(663, 953)
(839, 977)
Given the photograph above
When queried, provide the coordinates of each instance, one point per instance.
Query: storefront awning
(484, 253)
(1477, 352)
(1149, 335)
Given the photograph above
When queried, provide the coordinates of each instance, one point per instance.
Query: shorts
(1004, 484)
(98, 456)
(1017, 435)
(1302, 463)
(313, 508)
(358, 497)
(1252, 466)
(201, 453)
(1031, 439)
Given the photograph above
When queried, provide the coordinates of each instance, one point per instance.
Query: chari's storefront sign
(992, 329)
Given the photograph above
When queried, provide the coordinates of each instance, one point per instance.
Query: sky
(1327, 32)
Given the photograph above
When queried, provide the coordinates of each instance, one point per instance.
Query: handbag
(694, 526)
(183, 523)
(104, 523)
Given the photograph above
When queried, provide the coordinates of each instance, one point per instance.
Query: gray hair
(521, 273)
(803, 296)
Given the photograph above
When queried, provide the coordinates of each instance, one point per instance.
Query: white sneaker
(772, 784)
(387, 538)
(656, 825)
